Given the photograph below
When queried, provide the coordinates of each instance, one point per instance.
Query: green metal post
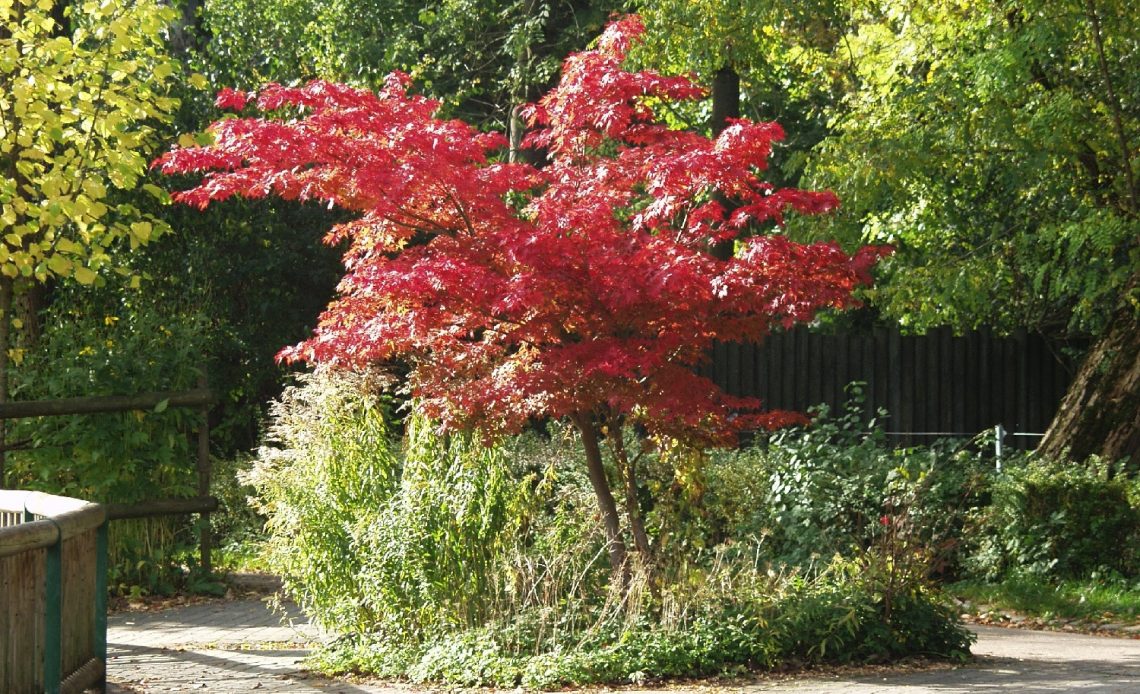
(101, 599)
(53, 627)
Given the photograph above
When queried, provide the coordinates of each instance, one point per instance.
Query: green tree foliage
(77, 116)
(109, 350)
(257, 276)
(480, 57)
(993, 144)
(94, 346)
(783, 54)
(78, 110)
(989, 143)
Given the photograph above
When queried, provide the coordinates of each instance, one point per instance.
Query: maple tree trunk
(632, 506)
(1100, 413)
(616, 545)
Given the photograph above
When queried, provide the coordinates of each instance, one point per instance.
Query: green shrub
(238, 529)
(122, 457)
(324, 478)
(416, 537)
(817, 491)
(1099, 598)
(442, 559)
(1060, 519)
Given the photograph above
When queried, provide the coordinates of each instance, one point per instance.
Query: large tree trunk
(188, 35)
(1100, 413)
(725, 105)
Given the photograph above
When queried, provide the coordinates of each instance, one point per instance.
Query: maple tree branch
(462, 212)
(426, 221)
(628, 471)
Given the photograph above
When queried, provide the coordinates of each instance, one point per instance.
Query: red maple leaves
(514, 291)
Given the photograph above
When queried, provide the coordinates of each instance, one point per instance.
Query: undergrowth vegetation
(88, 348)
(1059, 520)
(444, 558)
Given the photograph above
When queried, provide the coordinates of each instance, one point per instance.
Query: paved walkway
(1008, 660)
(236, 646)
(242, 646)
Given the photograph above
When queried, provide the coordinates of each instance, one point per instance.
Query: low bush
(833, 616)
(1098, 598)
(1059, 519)
(825, 489)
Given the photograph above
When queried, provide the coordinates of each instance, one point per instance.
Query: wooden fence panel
(936, 383)
(79, 599)
(21, 623)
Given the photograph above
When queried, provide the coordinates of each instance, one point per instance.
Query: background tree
(765, 59)
(479, 58)
(584, 290)
(994, 146)
(77, 116)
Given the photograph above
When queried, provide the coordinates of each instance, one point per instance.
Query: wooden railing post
(99, 638)
(205, 539)
(50, 625)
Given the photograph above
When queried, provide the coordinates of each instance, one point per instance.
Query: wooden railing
(53, 610)
(201, 398)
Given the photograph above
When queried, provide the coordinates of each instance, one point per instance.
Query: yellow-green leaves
(77, 116)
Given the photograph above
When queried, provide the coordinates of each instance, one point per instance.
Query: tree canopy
(479, 58)
(520, 292)
(77, 115)
(81, 92)
(994, 146)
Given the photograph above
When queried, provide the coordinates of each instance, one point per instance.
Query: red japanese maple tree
(584, 289)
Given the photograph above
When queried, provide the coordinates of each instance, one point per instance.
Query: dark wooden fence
(932, 384)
